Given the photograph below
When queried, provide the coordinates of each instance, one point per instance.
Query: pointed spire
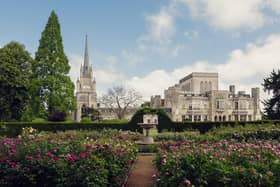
(86, 57)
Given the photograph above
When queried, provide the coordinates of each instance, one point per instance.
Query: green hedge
(204, 127)
(12, 129)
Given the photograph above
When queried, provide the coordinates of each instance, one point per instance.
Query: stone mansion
(197, 98)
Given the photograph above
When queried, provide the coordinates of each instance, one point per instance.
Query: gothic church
(85, 87)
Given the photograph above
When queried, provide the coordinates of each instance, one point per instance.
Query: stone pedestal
(148, 140)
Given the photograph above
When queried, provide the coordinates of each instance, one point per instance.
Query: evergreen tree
(15, 74)
(272, 105)
(52, 86)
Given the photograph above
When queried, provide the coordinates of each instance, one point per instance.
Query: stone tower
(85, 87)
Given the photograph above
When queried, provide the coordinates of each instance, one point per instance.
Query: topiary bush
(164, 121)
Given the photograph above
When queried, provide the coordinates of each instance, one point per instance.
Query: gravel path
(142, 171)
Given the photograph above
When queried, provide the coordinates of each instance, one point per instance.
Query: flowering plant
(74, 158)
(219, 163)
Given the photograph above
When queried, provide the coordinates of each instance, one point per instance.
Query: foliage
(272, 105)
(85, 120)
(53, 89)
(57, 116)
(91, 113)
(163, 119)
(120, 99)
(13, 129)
(38, 120)
(222, 163)
(114, 121)
(75, 158)
(15, 72)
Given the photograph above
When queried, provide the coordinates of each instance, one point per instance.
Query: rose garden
(242, 154)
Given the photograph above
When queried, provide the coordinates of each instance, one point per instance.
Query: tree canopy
(15, 74)
(52, 87)
(272, 105)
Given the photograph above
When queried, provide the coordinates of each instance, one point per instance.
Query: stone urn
(149, 122)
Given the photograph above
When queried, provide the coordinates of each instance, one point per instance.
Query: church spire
(86, 57)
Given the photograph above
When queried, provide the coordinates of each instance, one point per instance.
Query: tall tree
(15, 72)
(272, 105)
(119, 100)
(54, 90)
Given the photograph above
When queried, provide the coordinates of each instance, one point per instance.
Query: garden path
(142, 172)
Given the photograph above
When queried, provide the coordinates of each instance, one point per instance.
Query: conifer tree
(272, 105)
(53, 88)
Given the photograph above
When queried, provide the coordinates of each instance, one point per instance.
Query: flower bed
(66, 159)
(222, 163)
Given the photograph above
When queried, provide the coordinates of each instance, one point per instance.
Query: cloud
(161, 25)
(245, 68)
(228, 14)
(75, 62)
(132, 57)
(233, 15)
(191, 34)
(275, 5)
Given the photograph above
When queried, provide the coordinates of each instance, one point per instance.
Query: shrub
(39, 120)
(72, 158)
(85, 120)
(222, 163)
(57, 116)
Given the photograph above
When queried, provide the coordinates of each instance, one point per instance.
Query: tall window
(236, 105)
(201, 86)
(220, 104)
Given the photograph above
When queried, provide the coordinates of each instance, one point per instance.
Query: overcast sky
(151, 44)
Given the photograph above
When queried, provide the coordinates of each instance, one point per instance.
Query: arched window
(206, 86)
(224, 118)
(201, 86)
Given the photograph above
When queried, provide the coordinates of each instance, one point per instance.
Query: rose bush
(219, 163)
(74, 158)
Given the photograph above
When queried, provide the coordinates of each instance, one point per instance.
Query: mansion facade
(197, 98)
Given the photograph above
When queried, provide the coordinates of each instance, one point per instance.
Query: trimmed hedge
(12, 129)
(204, 127)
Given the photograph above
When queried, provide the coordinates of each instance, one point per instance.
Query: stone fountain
(149, 121)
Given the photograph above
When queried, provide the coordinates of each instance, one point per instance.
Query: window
(229, 117)
(243, 117)
(183, 117)
(236, 117)
(205, 118)
(201, 86)
(210, 86)
(220, 104)
(250, 117)
(197, 118)
(236, 105)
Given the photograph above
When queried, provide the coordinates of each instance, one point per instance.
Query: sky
(150, 45)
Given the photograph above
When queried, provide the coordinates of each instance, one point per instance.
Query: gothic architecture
(85, 87)
(197, 98)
